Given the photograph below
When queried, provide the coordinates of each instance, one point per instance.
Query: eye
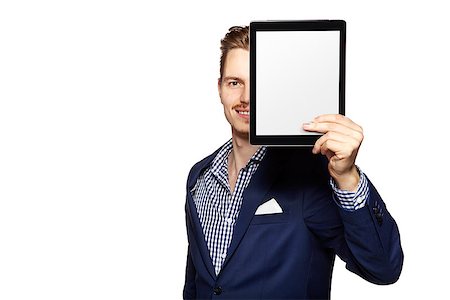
(234, 84)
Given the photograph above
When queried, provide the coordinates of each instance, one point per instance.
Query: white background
(105, 106)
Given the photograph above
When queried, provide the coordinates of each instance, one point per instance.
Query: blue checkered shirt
(218, 207)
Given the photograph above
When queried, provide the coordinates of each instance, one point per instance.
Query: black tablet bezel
(307, 25)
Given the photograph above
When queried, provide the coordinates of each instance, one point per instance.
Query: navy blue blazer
(291, 255)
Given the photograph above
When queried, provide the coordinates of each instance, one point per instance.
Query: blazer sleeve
(367, 239)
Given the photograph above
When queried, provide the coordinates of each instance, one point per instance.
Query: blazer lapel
(254, 194)
(199, 236)
(196, 226)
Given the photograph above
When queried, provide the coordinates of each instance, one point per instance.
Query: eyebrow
(232, 78)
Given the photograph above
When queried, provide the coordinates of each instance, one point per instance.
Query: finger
(329, 145)
(340, 119)
(338, 137)
(329, 154)
(340, 150)
(326, 127)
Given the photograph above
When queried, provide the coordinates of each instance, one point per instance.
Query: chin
(241, 130)
(238, 127)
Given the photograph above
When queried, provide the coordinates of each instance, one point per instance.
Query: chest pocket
(270, 218)
(275, 210)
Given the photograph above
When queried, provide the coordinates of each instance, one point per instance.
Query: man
(266, 223)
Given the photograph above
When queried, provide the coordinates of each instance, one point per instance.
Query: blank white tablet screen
(297, 79)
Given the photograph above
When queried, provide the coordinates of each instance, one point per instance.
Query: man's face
(234, 90)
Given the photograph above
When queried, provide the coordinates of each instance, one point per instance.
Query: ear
(219, 88)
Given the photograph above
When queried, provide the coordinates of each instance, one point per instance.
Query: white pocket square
(269, 207)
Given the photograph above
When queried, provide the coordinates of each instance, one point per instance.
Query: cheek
(227, 100)
(231, 94)
(228, 111)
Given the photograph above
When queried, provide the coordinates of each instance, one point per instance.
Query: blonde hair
(236, 38)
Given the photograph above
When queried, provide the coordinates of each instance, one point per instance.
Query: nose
(245, 97)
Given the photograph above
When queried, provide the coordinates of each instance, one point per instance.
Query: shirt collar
(219, 163)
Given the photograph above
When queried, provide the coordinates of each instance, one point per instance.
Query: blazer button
(379, 218)
(217, 290)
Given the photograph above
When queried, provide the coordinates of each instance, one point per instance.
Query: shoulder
(203, 163)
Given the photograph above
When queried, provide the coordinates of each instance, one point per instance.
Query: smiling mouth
(243, 112)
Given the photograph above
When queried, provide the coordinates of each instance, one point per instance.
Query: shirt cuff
(352, 200)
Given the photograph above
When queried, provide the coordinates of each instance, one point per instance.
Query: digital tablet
(297, 72)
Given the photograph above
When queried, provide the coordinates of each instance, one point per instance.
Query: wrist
(347, 181)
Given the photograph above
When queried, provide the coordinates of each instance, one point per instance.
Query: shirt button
(217, 290)
(224, 255)
(359, 200)
(229, 220)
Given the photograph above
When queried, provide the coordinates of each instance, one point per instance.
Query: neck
(242, 151)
